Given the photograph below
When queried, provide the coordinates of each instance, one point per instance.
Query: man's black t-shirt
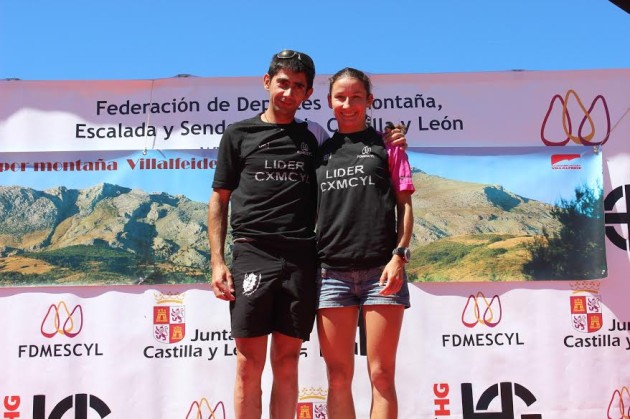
(270, 170)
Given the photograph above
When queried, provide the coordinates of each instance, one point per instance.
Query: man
(266, 174)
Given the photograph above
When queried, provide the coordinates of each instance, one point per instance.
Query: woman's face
(349, 101)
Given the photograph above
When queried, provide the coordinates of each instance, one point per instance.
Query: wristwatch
(403, 252)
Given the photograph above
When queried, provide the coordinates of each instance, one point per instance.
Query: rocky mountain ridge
(172, 228)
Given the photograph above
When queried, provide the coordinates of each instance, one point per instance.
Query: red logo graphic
(312, 403)
(586, 307)
(582, 133)
(169, 318)
(557, 158)
(60, 320)
(442, 401)
(561, 161)
(478, 310)
(619, 406)
(196, 410)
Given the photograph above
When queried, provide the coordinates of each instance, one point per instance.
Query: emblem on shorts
(251, 283)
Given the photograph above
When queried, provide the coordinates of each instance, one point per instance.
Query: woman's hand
(392, 277)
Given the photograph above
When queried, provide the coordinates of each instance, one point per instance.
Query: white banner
(470, 350)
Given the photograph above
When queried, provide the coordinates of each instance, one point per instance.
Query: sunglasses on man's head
(289, 53)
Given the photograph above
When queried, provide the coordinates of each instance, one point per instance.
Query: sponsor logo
(567, 119)
(60, 320)
(587, 319)
(497, 396)
(561, 162)
(305, 150)
(11, 406)
(480, 310)
(505, 391)
(169, 318)
(79, 404)
(619, 405)
(613, 218)
(486, 312)
(441, 401)
(251, 282)
(586, 307)
(201, 409)
(169, 329)
(366, 152)
(312, 403)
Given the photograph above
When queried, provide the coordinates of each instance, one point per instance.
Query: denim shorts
(357, 288)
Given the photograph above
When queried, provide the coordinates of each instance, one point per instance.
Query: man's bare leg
(285, 354)
(250, 362)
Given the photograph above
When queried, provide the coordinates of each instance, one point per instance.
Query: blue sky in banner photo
(145, 39)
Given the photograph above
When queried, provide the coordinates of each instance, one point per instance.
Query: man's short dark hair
(294, 61)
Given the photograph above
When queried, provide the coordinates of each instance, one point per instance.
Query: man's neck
(273, 118)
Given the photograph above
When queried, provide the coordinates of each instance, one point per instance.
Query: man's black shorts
(275, 288)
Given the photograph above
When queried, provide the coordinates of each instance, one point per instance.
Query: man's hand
(222, 282)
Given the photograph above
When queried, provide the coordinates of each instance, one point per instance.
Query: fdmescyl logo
(561, 162)
(481, 311)
(60, 323)
(587, 319)
(60, 320)
(312, 403)
(201, 409)
(569, 120)
(619, 405)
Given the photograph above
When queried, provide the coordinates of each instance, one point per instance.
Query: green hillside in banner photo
(113, 218)
(507, 214)
(106, 234)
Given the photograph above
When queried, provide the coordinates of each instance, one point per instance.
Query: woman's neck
(351, 130)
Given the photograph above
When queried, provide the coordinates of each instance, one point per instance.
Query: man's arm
(222, 283)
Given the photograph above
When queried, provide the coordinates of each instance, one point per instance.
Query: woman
(364, 226)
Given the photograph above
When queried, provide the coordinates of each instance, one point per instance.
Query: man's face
(287, 90)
